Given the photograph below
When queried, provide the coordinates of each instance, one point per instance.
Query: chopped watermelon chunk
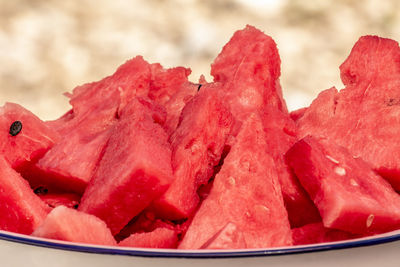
(245, 201)
(197, 146)
(363, 117)
(314, 233)
(70, 164)
(349, 195)
(249, 68)
(280, 132)
(29, 140)
(68, 224)
(21, 210)
(135, 169)
(158, 238)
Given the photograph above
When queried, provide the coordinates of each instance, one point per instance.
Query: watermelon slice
(197, 146)
(68, 224)
(24, 138)
(363, 117)
(158, 238)
(314, 233)
(21, 210)
(245, 202)
(280, 132)
(135, 169)
(249, 68)
(349, 195)
(70, 164)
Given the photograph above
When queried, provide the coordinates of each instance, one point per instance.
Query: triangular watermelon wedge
(197, 146)
(349, 195)
(135, 169)
(364, 116)
(68, 224)
(28, 140)
(21, 210)
(246, 193)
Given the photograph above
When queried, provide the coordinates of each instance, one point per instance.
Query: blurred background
(48, 47)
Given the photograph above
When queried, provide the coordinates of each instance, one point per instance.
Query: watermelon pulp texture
(249, 68)
(316, 233)
(197, 146)
(348, 193)
(68, 224)
(245, 201)
(118, 192)
(281, 134)
(21, 210)
(26, 146)
(371, 75)
(158, 238)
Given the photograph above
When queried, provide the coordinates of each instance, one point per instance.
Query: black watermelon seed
(198, 88)
(15, 128)
(41, 190)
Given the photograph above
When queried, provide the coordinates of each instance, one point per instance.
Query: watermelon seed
(15, 128)
(332, 159)
(340, 171)
(370, 219)
(232, 181)
(41, 190)
(353, 182)
(198, 88)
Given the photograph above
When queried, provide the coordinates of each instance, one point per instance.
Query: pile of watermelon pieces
(146, 158)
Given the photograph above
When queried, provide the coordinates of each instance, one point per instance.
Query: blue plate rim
(175, 253)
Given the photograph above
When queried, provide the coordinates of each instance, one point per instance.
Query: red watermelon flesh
(314, 233)
(118, 192)
(70, 164)
(146, 221)
(21, 210)
(158, 238)
(280, 132)
(349, 195)
(130, 80)
(249, 68)
(363, 117)
(68, 224)
(171, 89)
(176, 104)
(298, 113)
(85, 130)
(246, 193)
(229, 237)
(197, 146)
(24, 148)
(166, 82)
